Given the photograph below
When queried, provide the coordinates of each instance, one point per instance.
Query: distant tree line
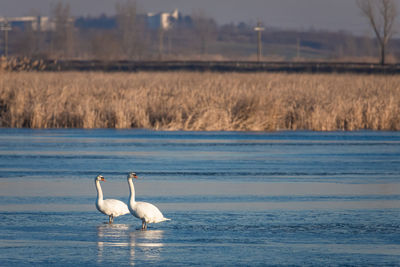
(127, 36)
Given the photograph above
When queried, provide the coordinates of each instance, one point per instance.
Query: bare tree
(104, 45)
(63, 35)
(381, 15)
(129, 29)
(205, 29)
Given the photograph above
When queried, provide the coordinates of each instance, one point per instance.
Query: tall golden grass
(200, 101)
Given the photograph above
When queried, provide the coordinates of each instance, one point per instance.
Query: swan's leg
(110, 219)
(143, 225)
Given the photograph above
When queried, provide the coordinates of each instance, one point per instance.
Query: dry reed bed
(200, 101)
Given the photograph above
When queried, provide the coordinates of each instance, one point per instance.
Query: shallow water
(286, 198)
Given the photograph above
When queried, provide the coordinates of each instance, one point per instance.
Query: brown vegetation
(200, 101)
(21, 64)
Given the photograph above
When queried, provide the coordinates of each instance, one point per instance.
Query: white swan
(111, 207)
(147, 212)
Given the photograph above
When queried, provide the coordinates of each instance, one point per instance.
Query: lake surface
(259, 199)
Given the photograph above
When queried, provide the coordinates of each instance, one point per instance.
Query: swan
(111, 207)
(147, 212)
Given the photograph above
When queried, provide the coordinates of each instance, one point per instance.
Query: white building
(36, 23)
(162, 20)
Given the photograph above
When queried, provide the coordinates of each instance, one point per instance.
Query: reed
(200, 101)
(21, 64)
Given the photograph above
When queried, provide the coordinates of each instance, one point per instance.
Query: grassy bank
(200, 101)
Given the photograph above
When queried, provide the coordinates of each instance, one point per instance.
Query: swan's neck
(99, 192)
(132, 200)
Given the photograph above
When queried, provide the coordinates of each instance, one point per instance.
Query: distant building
(162, 20)
(36, 23)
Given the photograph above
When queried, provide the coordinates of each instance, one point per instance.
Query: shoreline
(112, 66)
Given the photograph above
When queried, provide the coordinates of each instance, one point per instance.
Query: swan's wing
(115, 207)
(149, 212)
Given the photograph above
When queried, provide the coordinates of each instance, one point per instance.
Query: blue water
(259, 199)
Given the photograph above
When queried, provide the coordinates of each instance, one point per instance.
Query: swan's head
(100, 178)
(132, 175)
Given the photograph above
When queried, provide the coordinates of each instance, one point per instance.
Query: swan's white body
(111, 207)
(147, 212)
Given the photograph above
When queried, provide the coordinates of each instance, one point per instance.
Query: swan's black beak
(135, 176)
(103, 179)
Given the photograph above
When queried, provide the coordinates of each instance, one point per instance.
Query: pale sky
(288, 14)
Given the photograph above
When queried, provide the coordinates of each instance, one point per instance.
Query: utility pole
(298, 48)
(161, 43)
(169, 43)
(5, 27)
(259, 29)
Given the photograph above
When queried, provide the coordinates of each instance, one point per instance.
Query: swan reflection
(111, 235)
(145, 244)
(119, 240)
